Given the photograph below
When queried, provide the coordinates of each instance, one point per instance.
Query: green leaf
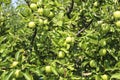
(7, 77)
(115, 76)
(3, 75)
(54, 71)
(28, 76)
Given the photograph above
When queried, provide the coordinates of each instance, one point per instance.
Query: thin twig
(83, 29)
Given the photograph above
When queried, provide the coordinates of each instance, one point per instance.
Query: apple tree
(60, 40)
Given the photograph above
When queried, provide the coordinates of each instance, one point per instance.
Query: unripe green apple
(118, 23)
(102, 52)
(102, 43)
(69, 39)
(48, 69)
(41, 22)
(40, 11)
(31, 24)
(46, 12)
(104, 77)
(93, 63)
(61, 54)
(116, 14)
(33, 6)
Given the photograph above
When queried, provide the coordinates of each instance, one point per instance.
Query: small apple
(40, 11)
(105, 27)
(51, 15)
(33, 6)
(118, 23)
(102, 52)
(48, 69)
(46, 12)
(45, 21)
(31, 24)
(61, 54)
(116, 14)
(93, 63)
(104, 77)
(95, 4)
(41, 22)
(102, 43)
(69, 39)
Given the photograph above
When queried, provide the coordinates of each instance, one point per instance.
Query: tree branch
(83, 29)
(70, 8)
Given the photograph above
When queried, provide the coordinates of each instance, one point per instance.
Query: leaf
(115, 76)
(54, 71)
(9, 75)
(27, 76)
(3, 75)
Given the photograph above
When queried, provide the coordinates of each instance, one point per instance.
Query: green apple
(104, 77)
(61, 54)
(45, 21)
(102, 52)
(31, 24)
(95, 4)
(33, 6)
(116, 14)
(93, 63)
(39, 3)
(83, 46)
(102, 43)
(118, 23)
(41, 22)
(105, 27)
(69, 39)
(46, 12)
(48, 69)
(51, 15)
(40, 11)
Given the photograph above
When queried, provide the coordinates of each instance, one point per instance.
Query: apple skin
(31, 24)
(33, 6)
(116, 14)
(48, 69)
(102, 43)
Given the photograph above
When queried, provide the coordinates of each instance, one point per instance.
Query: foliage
(67, 40)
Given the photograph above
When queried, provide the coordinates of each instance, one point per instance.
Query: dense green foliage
(60, 40)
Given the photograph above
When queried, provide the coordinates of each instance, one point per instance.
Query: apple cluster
(116, 15)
